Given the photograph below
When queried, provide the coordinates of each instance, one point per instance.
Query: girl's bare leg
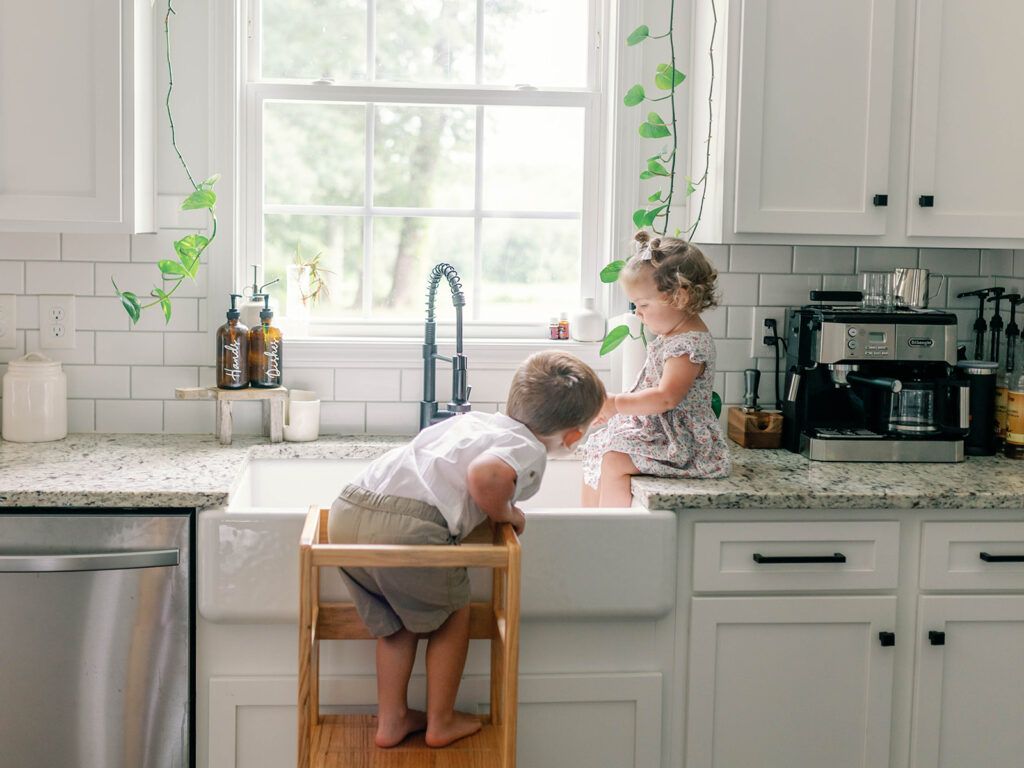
(614, 486)
(395, 656)
(590, 497)
(446, 658)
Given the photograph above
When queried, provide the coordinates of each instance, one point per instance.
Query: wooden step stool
(346, 741)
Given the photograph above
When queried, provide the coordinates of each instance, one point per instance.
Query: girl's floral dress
(683, 442)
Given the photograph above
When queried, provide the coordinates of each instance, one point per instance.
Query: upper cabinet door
(814, 116)
(968, 109)
(76, 127)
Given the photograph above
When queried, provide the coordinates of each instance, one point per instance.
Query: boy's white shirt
(432, 468)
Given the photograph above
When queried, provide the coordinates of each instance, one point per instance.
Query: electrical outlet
(57, 322)
(759, 330)
(8, 324)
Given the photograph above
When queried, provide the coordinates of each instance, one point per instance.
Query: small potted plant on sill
(306, 287)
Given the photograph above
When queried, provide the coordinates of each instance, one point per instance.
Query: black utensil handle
(838, 557)
(1001, 558)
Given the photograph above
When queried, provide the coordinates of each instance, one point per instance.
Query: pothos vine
(190, 248)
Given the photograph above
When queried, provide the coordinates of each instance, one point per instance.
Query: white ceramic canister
(587, 324)
(35, 400)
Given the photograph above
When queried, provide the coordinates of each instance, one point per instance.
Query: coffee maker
(871, 384)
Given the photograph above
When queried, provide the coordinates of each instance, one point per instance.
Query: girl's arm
(676, 380)
(492, 484)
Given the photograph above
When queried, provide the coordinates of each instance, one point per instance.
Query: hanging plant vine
(191, 247)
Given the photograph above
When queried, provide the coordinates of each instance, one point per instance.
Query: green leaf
(652, 214)
(690, 189)
(131, 305)
(634, 96)
(638, 35)
(615, 337)
(665, 79)
(638, 217)
(169, 267)
(657, 168)
(193, 245)
(655, 196)
(210, 181)
(653, 131)
(165, 302)
(646, 175)
(611, 272)
(201, 198)
(655, 119)
(716, 404)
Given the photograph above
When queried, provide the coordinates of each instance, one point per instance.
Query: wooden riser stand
(273, 408)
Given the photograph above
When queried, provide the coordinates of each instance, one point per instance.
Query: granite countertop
(108, 470)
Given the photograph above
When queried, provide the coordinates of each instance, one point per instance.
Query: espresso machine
(871, 384)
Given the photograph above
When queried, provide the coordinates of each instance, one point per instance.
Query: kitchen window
(390, 136)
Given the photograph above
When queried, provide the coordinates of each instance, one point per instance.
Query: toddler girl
(664, 425)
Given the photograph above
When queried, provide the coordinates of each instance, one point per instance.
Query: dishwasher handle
(89, 561)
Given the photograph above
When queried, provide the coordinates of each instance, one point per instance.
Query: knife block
(755, 429)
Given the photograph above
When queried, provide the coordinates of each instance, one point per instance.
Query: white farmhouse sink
(577, 563)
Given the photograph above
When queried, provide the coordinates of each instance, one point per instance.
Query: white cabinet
(76, 109)
(872, 122)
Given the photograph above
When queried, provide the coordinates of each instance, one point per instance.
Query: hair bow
(645, 252)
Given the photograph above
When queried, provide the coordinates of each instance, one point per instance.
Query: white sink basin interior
(576, 562)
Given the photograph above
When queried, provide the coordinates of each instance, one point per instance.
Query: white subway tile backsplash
(761, 258)
(189, 416)
(787, 290)
(955, 285)
(99, 381)
(732, 354)
(716, 319)
(184, 317)
(737, 289)
(81, 415)
(824, 259)
(129, 348)
(996, 262)
(840, 282)
(1018, 263)
(129, 416)
(43, 277)
(367, 384)
(100, 313)
(319, 380)
(158, 382)
(392, 418)
(188, 349)
(881, 259)
(412, 384)
(25, 246)
(12, 277)
(951, 261)
(27, 309)
(718, 255)
(91, 247)
(739, 325)
(342, 418)
(83, 353)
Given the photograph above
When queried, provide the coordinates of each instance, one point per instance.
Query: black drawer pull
(838, 557)
(936, 638)
(880, 200)
(1001, 558)
(926, 201)
(887, 639)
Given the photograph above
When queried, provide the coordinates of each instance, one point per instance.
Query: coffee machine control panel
(851, 341)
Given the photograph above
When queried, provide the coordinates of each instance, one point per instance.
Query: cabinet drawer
(969, 556)
(804, 557)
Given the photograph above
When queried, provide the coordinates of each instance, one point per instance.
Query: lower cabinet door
(969, 685)
(789, 681)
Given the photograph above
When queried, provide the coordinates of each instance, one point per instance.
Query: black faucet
(429, 413)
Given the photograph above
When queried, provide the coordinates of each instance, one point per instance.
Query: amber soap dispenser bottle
(232, 351)
(265, 349)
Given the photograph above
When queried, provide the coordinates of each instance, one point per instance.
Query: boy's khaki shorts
(387, 599)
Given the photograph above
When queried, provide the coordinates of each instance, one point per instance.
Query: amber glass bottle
(265, 350)
(1014, 445)
(232, 351)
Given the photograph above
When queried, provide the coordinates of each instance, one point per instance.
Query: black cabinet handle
(1001, 558)
(838, 557)
(936, 638)
(926, 201)
(887, 639)
(880, 200)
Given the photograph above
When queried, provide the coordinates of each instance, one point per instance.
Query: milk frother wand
(980, 326)
(1012, 331)
(996, 324)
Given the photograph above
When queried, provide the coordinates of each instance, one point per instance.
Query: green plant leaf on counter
(615, 336)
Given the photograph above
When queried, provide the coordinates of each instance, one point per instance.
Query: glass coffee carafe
(912, 410)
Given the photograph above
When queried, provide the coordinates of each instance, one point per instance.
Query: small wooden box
(755, 429)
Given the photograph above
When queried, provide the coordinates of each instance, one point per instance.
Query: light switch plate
(56, 322)
(757, 333)
(8, 322)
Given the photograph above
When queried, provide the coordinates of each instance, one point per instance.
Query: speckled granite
(104, 470)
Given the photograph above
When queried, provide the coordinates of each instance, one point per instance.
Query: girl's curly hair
(680, 270)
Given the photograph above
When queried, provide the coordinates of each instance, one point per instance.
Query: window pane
(313, 39)
(313, 153)
(405, 249)
(426, 41)
(531, 269)
(540, 43)
(533, 159)
(424, 156)
(340, 241)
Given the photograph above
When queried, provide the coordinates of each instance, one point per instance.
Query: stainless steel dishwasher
(96, 638)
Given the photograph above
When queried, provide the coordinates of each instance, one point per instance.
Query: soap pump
(265, 349)
(232, 351)
(251, 306)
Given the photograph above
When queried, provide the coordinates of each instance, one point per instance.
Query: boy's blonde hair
(680, 270)
(552, 391)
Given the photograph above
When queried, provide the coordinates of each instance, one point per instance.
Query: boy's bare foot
(458, 726)
(390, 732)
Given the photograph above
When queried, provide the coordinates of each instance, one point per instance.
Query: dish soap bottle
(265, 350)
(232, 351)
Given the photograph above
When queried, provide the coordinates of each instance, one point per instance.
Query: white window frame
(595, 205)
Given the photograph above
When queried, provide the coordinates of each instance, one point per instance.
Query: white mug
(301, 416)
